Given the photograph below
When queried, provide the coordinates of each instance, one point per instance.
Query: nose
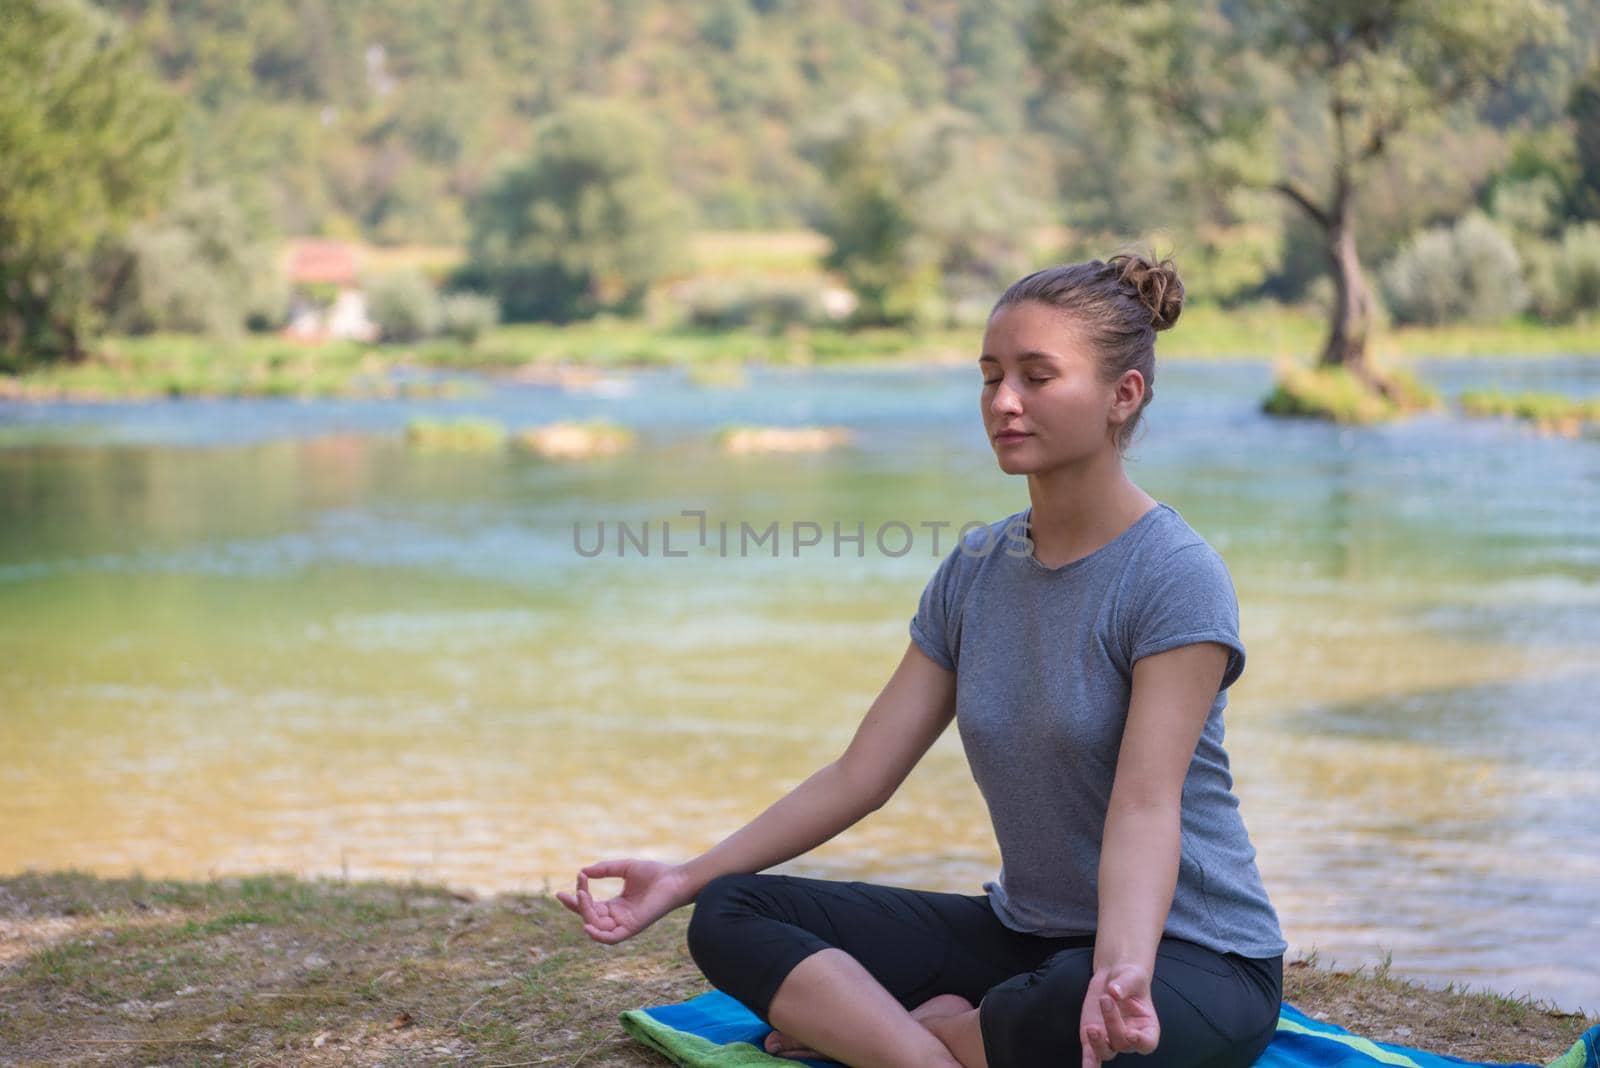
(1005, 399)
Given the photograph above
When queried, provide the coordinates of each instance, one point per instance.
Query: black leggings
(1216, 1010)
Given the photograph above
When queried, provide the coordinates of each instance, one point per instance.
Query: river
(244, 635)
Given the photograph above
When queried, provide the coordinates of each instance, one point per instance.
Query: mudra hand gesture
(1118, 1015)
(650, 890)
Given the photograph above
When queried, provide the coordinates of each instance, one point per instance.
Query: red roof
(315, 262)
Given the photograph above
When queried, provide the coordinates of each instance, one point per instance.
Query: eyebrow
(1024, 358)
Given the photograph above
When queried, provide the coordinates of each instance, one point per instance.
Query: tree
(584, 225)
(1469, 272)
(922, 208)
(206, 265)
(1302, 97)
(88, 144)
(1584, 109)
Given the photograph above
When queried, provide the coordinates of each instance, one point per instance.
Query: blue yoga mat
(716, 1031)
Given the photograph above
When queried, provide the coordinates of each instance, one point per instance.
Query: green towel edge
(692, 1051)
(1576, 1057)
(680, 1046)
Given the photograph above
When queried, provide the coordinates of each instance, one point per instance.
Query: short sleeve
(1189, 599)
(930, 627)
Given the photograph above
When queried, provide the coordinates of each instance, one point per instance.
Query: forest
(566, 151)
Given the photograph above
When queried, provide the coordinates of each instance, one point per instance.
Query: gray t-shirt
(1044, 667)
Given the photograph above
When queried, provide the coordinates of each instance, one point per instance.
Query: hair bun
(1156, 284)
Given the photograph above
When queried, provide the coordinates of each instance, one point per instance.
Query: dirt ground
(273, 970)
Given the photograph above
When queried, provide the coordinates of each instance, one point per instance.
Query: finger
(1116, 1032)
(581, 896)
(1145, 1038)
(586, 899)
(599, 913)
(606, 869)
(1090, 1059)
(1142, 1023)
(610, 938)
(586, 906)
(1091, 1030)
(570, 901)
(1096, 1036)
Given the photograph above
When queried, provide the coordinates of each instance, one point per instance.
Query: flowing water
(267, 635)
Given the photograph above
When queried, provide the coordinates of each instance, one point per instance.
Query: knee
(1033, 1018)
(716, 903)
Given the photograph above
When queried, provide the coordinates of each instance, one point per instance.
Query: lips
(1010, 435)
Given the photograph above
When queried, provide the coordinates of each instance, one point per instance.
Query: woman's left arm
(1171, 697)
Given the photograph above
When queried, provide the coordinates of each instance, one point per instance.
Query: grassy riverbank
(274, 970)
(175, 366)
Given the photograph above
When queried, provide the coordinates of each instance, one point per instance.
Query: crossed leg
(864, 974)
(940, 1007)
(830, 1007)
(875, 976)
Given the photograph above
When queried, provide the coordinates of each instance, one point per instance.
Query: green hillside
(377, 117)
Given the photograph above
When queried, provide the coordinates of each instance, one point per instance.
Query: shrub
(772, 305)
(403, 305)
(200, 268)
(1469, 271)
(1529, 208)
(461, 435)
(465, 316)
(1330, 394)
(1565, 278)
(1534, 406)
(584, 223)
(1334, 393)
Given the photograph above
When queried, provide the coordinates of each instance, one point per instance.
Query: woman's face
(1044, 404)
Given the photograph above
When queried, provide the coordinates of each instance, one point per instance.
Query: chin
(1016, 465)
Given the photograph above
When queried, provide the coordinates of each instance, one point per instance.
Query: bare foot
(943, 1005)
(781, 1045)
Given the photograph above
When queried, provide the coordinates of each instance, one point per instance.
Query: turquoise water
(266, 634)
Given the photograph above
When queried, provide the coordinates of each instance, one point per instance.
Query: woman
(1084, 647)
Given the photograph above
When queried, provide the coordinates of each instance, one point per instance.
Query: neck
(1076, 510)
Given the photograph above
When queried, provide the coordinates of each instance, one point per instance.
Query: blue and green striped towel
(716, 1031)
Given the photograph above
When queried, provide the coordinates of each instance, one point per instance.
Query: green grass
(459, 435)
(169, 365)
(636, 344)
(1278, 331)
(1521, 336)
(258, 969)
(1336, 394)
(1554, 412)
(181, 366)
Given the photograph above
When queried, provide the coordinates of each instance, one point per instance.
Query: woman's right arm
(914, 708)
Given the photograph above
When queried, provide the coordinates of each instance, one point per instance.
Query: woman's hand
(650, 890)
(1118, 1015)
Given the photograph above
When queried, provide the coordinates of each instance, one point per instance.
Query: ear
(1127, 396)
